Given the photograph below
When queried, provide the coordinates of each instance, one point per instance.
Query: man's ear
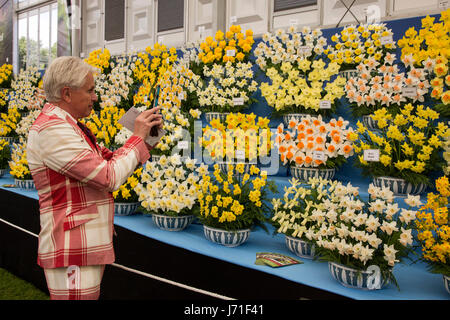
(66, 95)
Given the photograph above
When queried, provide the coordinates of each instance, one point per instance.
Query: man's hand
(147, 120)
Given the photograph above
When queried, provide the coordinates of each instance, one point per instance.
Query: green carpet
(14, 288)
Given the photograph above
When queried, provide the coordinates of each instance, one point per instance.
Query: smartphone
(154, 130)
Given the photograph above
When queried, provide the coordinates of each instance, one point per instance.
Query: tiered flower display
(313, 143)
(241, 137)
(23, 127)
(300, 78)
(226, 71)
(169, 187)
(355, 44)
(381, 85)
(235, 202)
(409, 144)
(433, 231)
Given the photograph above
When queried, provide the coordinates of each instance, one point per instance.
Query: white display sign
(325, 104)
(183, 145)
(238, 101)
(386, 40)
(233, 19)
(319, 155)
(181, 95)
(409, 92)
(372, 155)
(231, 53)
(293, 22)
(443, 4)
(303, 49)
(240, 154)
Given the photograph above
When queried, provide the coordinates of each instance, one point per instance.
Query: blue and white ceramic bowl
(25, 184)
(226, 238)
(304, 174)
(399, 186)
(301, 248)
(169, 223)
(125, 209)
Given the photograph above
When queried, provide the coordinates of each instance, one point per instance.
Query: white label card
(231, 53)
(409, 92)
(240, 154)
(183, 145)
(303, 49)
(443, 4)
(372, 155)
(319, 155)
(181, 95)
(238, 101)
(325, 104)
(293, 22)
(386, 40)
(233, 19)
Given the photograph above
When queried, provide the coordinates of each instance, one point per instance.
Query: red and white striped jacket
(75, 178)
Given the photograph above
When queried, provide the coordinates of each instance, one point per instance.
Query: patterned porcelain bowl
(226, 238)
(301, 248)
(399, 186)
(304, 174)
(172, 223)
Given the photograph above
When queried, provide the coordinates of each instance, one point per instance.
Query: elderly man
(75, 178)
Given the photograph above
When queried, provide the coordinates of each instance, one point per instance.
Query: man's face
(82, 99)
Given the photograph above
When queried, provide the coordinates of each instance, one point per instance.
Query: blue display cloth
(415, 282)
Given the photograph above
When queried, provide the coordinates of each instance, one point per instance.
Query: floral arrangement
(19, 164)
(234, 202)
(118, 86)
(355, 44)
(5, 154)
(215, 51)
(226, 72)
(24, 125)
(300, 78)
(4, 99)
(430, 42)
(169, 187)
(6, 75)
(409, 144)
(8, 123)
(312, 142)
(101, 59)
(439, 77)
(179, 86)
(25, 93)
(433, 229)
(149, 67)
(238, 133)
(358, 233)
(297, 213)
(446, 155)
(106, 126)
(381, 85)
(126, 192)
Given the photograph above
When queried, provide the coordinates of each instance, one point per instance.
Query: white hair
(63, 72)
